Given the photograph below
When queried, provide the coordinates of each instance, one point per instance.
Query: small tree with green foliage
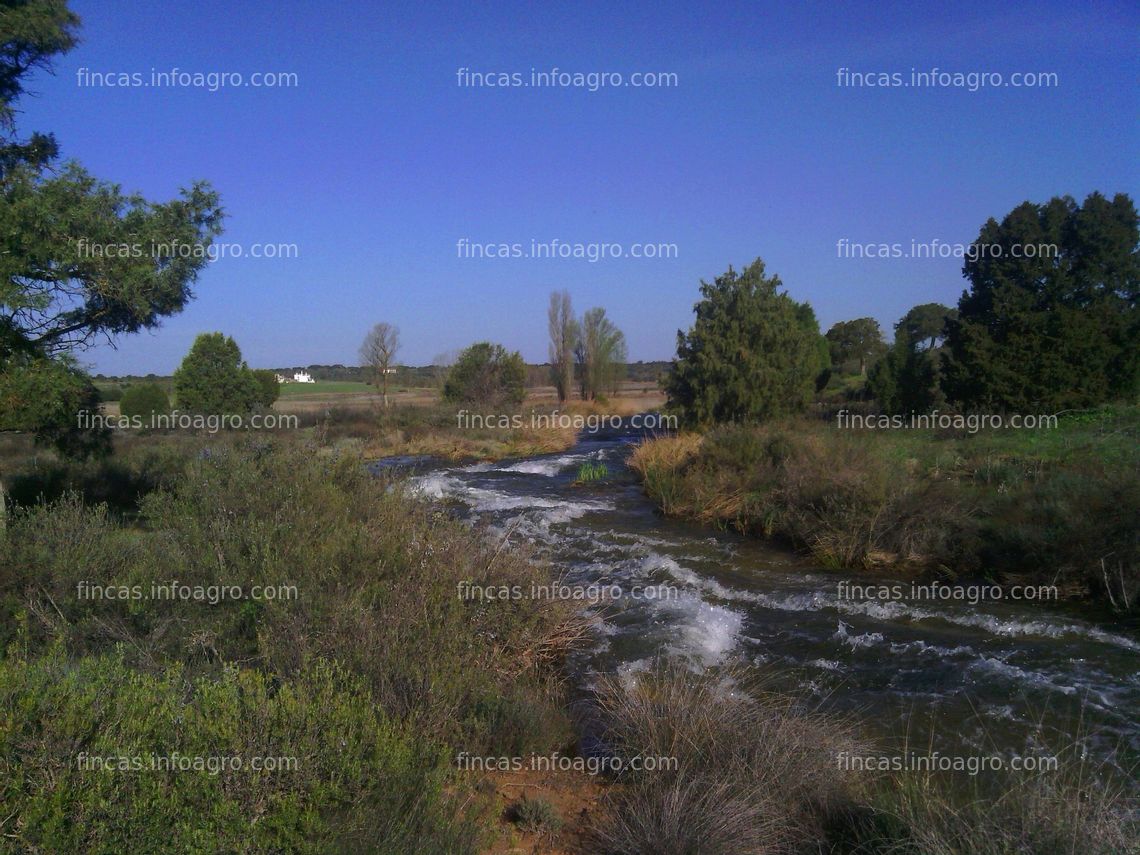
(270, 388)
(214, 379)
(857, 343)
(144, 400)
(749, 355)
(486, 374)
(907, 378)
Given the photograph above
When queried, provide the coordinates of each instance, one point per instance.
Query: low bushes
(754, 772)
(99, 757)
(351, 570)
(1058, 506)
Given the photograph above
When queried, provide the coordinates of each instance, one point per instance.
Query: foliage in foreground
(754, 773)
(365, 577)
(758, 773)
(92, 751)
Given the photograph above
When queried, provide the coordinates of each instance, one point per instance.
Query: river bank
(1052, 508)
(516, 678)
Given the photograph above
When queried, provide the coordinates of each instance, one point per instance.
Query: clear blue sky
(377, 163)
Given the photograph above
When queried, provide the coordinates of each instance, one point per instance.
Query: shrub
(486, 374)
(270, 389)
(367, 575)
(214, 379)
(144, 400)
(536, 816)
(753, 773)
(83, 741)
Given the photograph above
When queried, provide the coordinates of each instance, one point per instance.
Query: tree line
(1039, 334)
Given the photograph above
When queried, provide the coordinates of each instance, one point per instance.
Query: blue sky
(378, 162)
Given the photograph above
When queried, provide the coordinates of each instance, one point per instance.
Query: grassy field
(322, 388)
(1049, 505)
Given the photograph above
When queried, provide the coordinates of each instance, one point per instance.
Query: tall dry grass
(755, 772)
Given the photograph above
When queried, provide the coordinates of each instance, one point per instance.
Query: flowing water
(993, 678)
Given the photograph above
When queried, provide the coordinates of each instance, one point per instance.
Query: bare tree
(441, 364)
(563, 335)
(378, 352)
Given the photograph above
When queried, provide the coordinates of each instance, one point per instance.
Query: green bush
(110, 393)
(488, 375)
(213, 378)
(84, 742)
(368, 576)
(267, 383)
(370, 580)
(144, 400)
(536, 816)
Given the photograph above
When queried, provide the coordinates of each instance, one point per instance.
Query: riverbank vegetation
(1054, 507)
(102, 663)
(838, 459)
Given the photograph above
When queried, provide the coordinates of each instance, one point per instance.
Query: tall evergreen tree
(1055, 329)
(749, 354)
(213, 378)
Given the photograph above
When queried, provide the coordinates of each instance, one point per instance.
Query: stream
(992, 678)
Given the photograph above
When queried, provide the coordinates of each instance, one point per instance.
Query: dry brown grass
(755, 772)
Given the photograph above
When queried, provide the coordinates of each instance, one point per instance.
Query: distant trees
(924, 326)
(144, 400)
(1049, 329)
(379, 351)
(486, 374)
(563, 330)
(214, 379)
(858, 342)
(907, 378)
(600, 354)
(750, 354)
(591, 351)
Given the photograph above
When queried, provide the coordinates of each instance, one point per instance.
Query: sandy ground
(574, 795)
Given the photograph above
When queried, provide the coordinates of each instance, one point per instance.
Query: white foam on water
(1014, 674)
(437, 486)
(922, 647)
(548, 467)
(704, 631)
(825, 664)
(869, 639)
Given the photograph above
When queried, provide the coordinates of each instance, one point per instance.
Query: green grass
(591, 472)
(1056, 506)
(323, 387)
